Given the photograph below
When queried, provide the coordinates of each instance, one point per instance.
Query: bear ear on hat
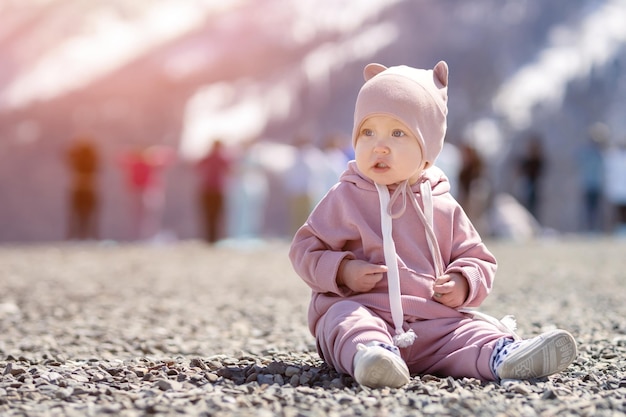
(441, 73)
(372, 69)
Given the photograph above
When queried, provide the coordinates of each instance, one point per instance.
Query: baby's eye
(398, 133)
(367, 132)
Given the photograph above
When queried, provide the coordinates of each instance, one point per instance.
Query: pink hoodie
(347, 224)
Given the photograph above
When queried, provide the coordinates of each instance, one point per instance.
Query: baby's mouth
(381, 165)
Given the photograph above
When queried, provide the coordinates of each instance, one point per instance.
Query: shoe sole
(550, 354)
(383, 372)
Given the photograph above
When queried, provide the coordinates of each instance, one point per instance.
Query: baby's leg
(453, 347)
(343, 327)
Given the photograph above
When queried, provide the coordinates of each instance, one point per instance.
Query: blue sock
(502, 349)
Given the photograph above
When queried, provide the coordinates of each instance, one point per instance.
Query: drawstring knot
(401, 190)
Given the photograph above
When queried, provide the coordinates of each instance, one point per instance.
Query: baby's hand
(358, 275)
(451, 290)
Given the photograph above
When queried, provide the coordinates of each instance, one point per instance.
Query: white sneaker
(379, 365)
(544, 355)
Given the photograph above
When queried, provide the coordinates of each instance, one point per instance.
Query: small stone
(291, 371)
(197, 363)
(64, 393)
(278, 379)
(114, 371)
(167, 385)
(14, 369)
(549, 394)
(79, 378)
(306, 377)
(111, 408)
(212, 377)
(275, 368)
(336, 383)
(265, 379)
(520, 389)
(214, 365)
(140, 372)
(79, 391)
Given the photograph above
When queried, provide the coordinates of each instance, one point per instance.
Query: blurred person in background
(616, 184)
(83, 162)
(247, 195)
(472, 187)
(590, 160)
(299, 181)
(143, 169)
(213, 171)
(531, 167)
(332, 163)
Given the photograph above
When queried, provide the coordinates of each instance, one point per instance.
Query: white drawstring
(426, 217)
(401, 338)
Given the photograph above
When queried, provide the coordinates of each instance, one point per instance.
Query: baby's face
(387, 152)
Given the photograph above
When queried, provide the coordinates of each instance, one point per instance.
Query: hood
(437, 179)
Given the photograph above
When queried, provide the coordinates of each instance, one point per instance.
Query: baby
(393, 261)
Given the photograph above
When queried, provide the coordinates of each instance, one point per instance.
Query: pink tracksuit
(347, 224)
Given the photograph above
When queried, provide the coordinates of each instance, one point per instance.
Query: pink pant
(457, 347)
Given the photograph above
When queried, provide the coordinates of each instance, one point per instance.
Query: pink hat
(416, 97)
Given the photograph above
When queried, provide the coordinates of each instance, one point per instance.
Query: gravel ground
(186, 329)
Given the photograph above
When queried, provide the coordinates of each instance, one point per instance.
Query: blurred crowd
(516, 211)
(247, 191)
(260, 189)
